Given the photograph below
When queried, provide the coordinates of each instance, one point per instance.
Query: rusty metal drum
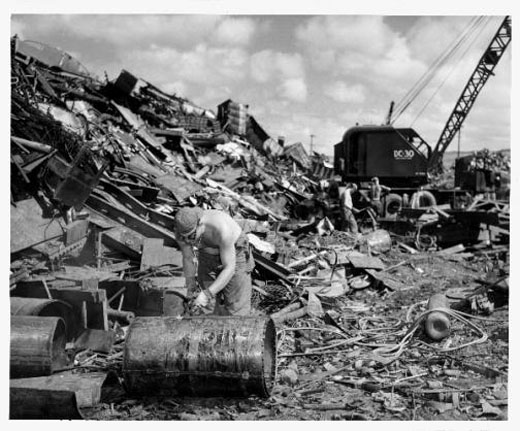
(200, 356)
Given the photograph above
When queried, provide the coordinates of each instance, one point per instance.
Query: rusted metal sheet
(29, 226)
(155, 254)
(179, 187)
(201, 356)
(37, 346)
(363, 261)
(297, 152)
(98, 203)
(74, 182)
(137, 207)
(60, 396)
(44, 403)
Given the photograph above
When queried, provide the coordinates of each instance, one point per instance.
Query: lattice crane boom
(476, 82)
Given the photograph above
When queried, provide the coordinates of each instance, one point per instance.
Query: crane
(476, 82)
(399, 157)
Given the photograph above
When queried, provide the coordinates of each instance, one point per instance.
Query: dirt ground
(351, 382)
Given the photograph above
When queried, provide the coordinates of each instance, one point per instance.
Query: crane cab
(399, 157)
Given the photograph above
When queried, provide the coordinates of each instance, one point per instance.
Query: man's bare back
(219, 229)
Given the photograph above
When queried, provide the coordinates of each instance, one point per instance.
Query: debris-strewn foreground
(98, 170)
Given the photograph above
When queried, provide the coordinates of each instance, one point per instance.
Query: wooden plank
(451, 250)
(169, 283)
(89, 284)
(409, 249)
(116, 267)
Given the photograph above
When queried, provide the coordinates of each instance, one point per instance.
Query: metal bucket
(46, 307)
(200, 356)
(37, 346)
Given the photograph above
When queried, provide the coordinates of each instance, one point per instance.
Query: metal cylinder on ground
(37, 346)
(437, 323)
(46, 307)
(378, 241)
(200, 356)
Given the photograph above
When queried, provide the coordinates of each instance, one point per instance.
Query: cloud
(361, 48)
(203, 65)
(181, 31)
(178, 87)
(435, 33)
(266, 65)
(341, 92)
(358, 33)
(18, 28)
(294, 89)
(235, 31)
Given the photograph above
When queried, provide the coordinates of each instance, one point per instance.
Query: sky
(305, 77)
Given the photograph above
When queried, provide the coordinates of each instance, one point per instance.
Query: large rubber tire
(423, 199)
(393, 204)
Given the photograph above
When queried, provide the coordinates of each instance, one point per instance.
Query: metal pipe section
(46, 307)
(37, 346)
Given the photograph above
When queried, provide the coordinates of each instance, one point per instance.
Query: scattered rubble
(98, 170)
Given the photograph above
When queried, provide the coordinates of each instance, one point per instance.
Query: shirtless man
(225, 262)
(376, 191)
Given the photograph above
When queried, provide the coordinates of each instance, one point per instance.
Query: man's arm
(228, 259)
(188, 266)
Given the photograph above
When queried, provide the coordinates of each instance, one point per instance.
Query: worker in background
(224, 258)
(348, 221)
(375, 192)
(333, 189)
(480, 176)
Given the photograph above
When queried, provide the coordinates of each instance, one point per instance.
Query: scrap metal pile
(98, 170)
